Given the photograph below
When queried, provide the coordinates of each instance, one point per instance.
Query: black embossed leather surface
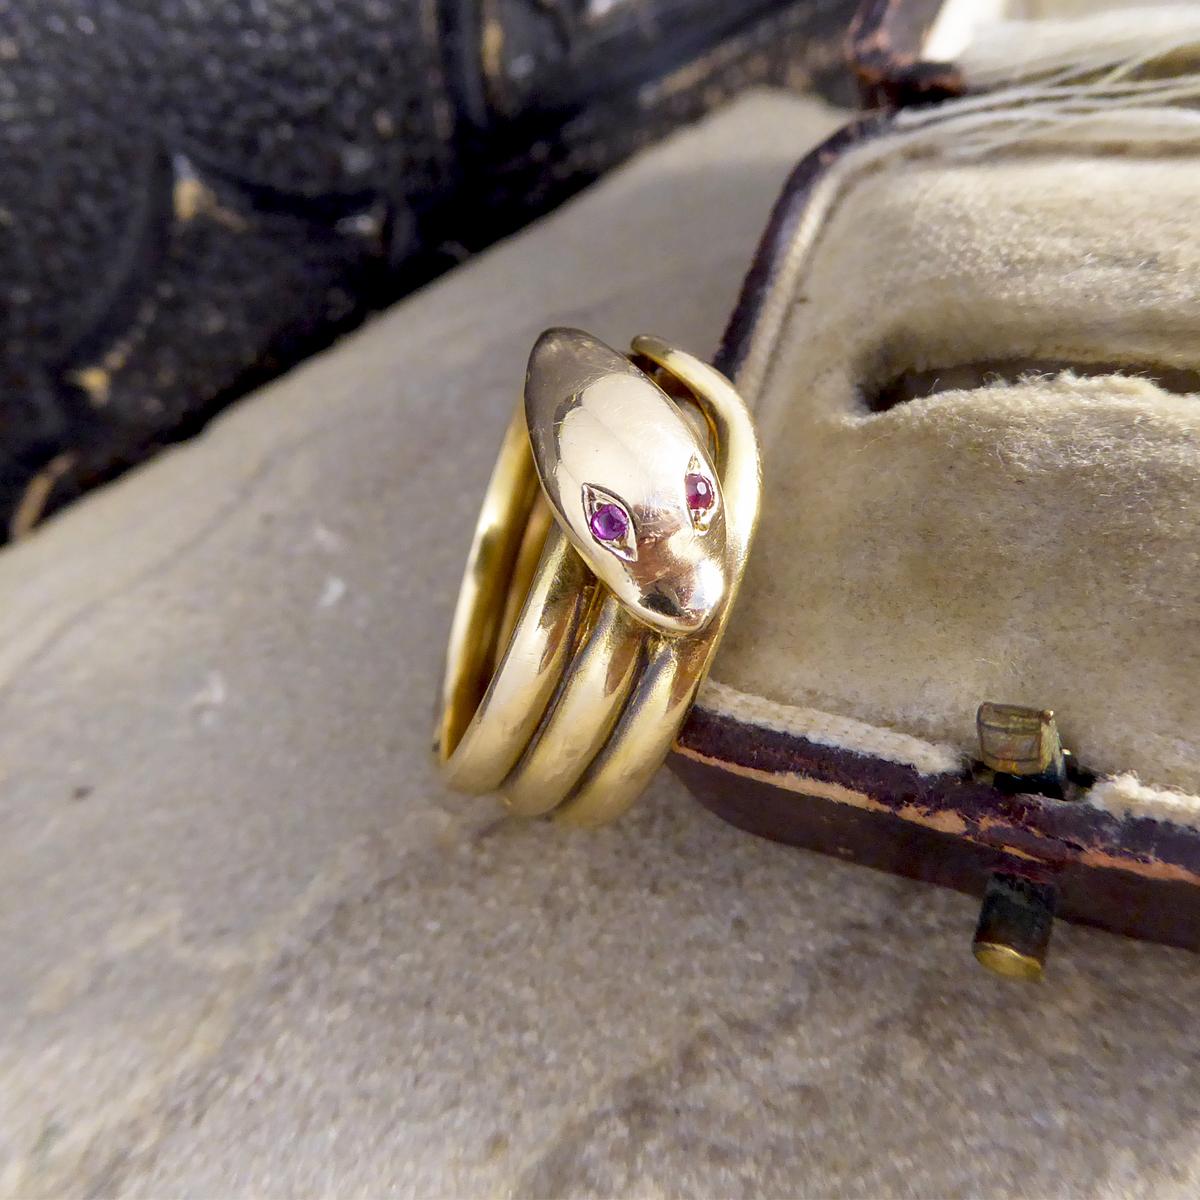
(198, 193)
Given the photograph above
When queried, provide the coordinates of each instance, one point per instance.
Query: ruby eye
(609, 522)
(700, 492)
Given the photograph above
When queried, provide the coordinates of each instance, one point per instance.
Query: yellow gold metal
(1016, 920)
(1017, 740)
(567, 681)
(528, 672)
(593, 693)
(597, 424)
(479, 612)
(1008, 961)
(533, 542)
(495, 692)
(677, 667)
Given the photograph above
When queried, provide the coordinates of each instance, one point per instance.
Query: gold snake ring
(608, 553)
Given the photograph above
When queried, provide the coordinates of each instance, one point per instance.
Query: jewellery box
(967, 649)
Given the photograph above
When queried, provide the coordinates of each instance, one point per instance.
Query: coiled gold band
(608, 553)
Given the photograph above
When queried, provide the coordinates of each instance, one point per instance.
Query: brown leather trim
(1158, 910)
(884, 48)
(1044, 830)
(1135, 876)
(780, 232)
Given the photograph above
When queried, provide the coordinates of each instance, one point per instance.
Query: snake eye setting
(701, 495)
(609, 522)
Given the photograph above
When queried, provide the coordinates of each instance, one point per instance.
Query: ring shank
(498, 682)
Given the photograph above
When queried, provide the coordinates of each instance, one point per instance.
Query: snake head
(629, 480)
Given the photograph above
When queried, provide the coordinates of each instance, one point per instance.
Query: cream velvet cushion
(1032, 538)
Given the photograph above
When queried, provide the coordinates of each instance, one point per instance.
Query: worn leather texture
(197, 195)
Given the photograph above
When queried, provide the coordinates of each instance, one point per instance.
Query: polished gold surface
(486, 583)
(495, 692)
(1016, 920)
(603, 432)
(533, 542)
(593, 694)
(569, 674)
(1008, 961)
(676, 667)
(529, 670)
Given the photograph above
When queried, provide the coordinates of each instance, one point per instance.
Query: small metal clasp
(1022, 747)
